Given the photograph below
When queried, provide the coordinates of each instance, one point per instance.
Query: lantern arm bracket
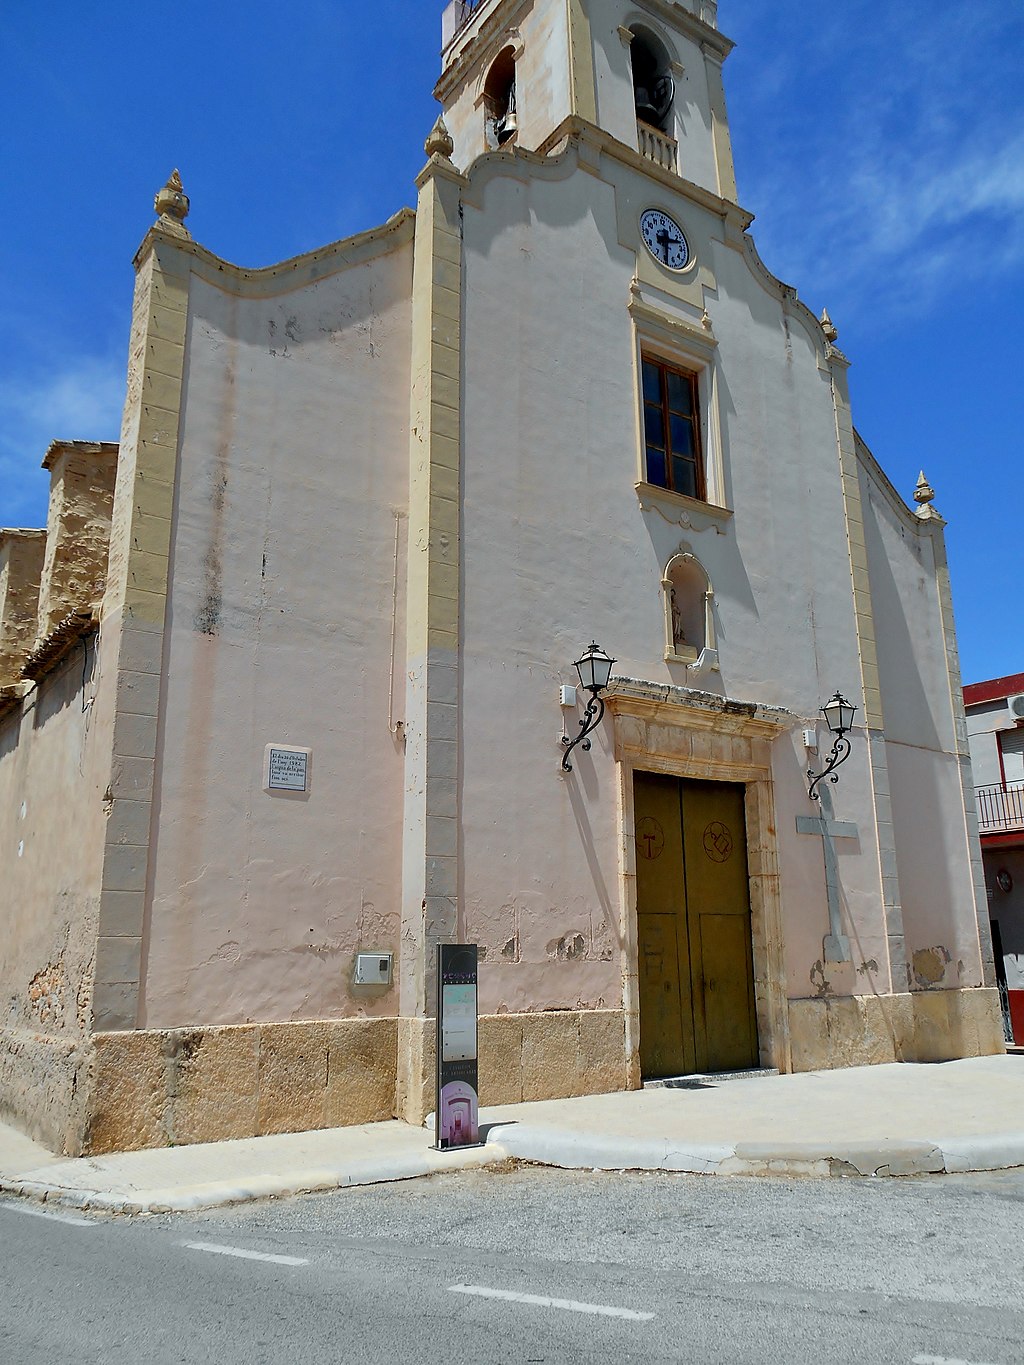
(839, 754)
(592, 718)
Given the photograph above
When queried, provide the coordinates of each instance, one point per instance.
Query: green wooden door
(693, 922)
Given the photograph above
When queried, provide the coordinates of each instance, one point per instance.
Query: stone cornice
(267, 281)
(21, 533)
(696, 710)
(690, 514)
(689, 333)
(709, 39)
(55, 449)
(579, 131)
(441, 168)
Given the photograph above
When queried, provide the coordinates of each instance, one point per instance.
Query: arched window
(500, 117)
(653, 87)
(689, 613)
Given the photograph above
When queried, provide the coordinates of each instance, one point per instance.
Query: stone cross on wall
(837, 945)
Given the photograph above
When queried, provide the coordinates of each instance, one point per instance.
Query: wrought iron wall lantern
(839, 715)
(594, 669)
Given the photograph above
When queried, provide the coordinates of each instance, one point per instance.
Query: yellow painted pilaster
(935, 529)
(581, 62)
(135, 603)
(721, 136)
(431, 841)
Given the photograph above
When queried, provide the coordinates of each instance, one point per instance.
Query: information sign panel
(456, 1113)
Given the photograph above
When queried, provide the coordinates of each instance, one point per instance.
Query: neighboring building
(370, 505)
(995, 729)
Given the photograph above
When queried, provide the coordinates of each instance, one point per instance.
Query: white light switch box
(373, 969)
(811, 740)
(567, 695)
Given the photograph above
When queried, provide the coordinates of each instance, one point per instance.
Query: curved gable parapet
(297, 271)
(576, 141)
(786, 293)
(907, 515)
(516, 163)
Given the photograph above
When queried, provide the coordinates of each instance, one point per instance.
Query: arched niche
(653, 82)
(499, 99)
(689, 613)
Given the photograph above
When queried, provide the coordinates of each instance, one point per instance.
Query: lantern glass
(839, 713)
(594, 668)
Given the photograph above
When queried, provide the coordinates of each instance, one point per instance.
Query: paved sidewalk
(884, 1120)
(871, 1120)
(206, 1175)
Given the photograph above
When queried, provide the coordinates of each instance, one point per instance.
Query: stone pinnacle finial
(924, 493)
(828, 327)
(172, 203)
(439, 143)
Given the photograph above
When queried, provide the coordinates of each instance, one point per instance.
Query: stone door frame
(664, 729)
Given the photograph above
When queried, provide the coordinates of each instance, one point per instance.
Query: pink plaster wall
(557, 550)
(291, 484)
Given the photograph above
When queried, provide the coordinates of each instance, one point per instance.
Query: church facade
(283, 682)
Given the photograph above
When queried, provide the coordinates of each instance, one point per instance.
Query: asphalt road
(529, 1265)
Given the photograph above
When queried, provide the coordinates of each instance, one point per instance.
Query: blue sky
(880, 146)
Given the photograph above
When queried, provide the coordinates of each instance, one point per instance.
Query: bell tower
(646, 72)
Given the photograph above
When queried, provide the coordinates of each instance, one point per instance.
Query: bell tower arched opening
(654, 88)
(501, 122)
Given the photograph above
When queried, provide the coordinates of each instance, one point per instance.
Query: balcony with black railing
(1000, 807)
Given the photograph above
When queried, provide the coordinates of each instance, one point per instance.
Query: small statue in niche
(678, 634)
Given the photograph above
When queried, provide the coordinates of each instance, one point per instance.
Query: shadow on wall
(908, 712)
(67, 684)
(578, 801)
(10, 731)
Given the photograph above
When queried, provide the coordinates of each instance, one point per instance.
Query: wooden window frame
(692, 380)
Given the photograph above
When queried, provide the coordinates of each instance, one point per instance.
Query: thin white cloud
(896, 159)
(82, 400)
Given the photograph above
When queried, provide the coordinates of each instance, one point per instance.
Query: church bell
(507, 126)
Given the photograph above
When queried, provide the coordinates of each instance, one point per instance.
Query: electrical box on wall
(811, 740)
(373, 969)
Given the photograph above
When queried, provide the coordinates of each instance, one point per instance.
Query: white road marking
(246, 1255)
(540, 1301)
(944, 1360)
(45, 1213)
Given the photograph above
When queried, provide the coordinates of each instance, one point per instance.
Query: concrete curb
(551, 1146)
(548, 1145)
(219, 1194)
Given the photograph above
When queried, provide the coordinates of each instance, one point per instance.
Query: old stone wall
(74, 574)
(157, 1087)
(54, 764)
(21, 568)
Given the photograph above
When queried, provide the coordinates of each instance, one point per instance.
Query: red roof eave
(993, 690)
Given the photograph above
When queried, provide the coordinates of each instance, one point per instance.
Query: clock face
(665, 239)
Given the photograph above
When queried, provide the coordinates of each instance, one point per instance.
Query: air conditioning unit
(1016, 705)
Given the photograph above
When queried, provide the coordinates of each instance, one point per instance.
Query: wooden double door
(693, 919)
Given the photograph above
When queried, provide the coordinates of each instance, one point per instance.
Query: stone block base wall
(867, 1030)
(546, 1056)
(45, 1085)
(156, 1088)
